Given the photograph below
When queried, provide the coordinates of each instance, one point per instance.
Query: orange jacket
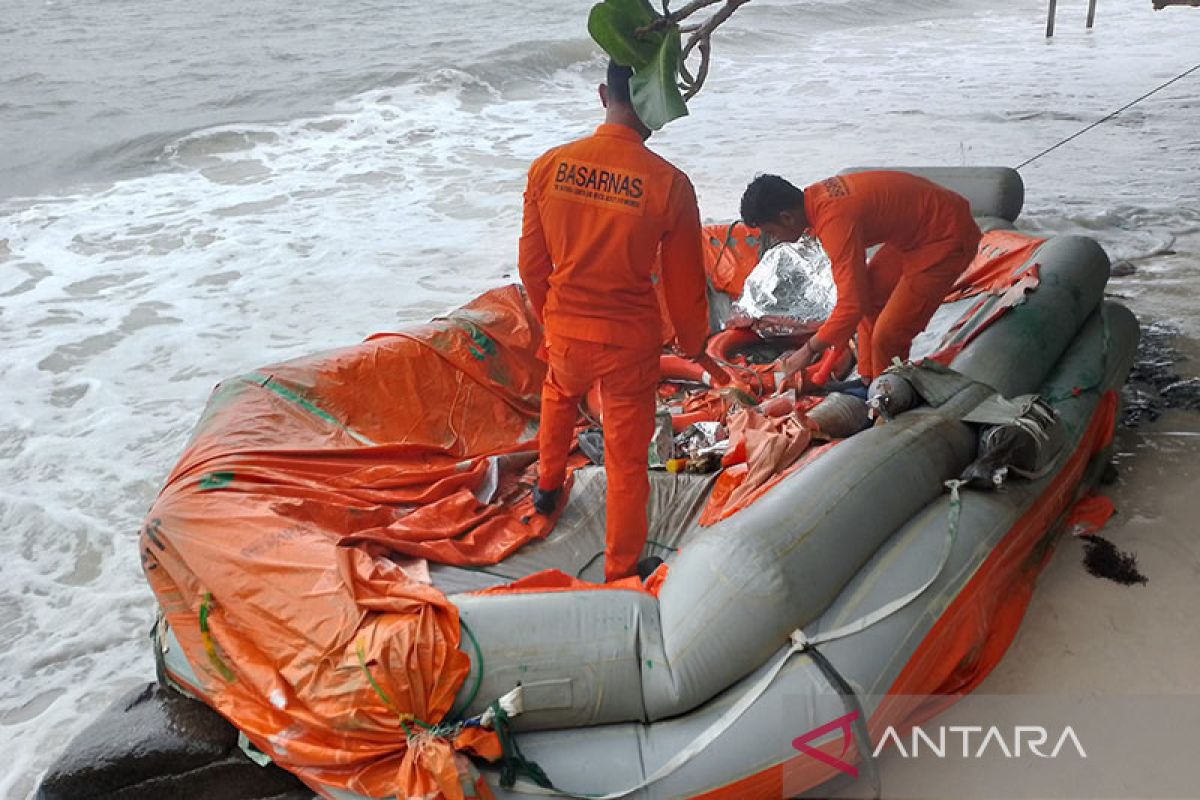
(849, 213)
(596, 213)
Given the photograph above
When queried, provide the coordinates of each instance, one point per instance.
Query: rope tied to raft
(451, 726)
(512, 761)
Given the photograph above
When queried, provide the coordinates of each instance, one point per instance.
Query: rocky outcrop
(156, 743)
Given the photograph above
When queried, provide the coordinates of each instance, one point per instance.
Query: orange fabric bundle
(281, 549)
(772, 445)
(763, 451)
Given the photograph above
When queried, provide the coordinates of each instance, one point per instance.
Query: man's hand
(794, 363)
(716, 373)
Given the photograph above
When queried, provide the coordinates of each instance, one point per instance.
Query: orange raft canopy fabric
(288, 548)
(285, 548)
(1000, 276)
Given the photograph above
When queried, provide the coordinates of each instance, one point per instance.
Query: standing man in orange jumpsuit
(928, 235)
(597, 213)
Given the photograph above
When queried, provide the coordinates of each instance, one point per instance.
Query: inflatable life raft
(350, 571)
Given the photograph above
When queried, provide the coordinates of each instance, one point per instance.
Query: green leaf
(613, 25)
(654, 89)
(654, 57)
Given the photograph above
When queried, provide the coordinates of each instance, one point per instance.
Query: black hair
(618, 82)
(767, 197)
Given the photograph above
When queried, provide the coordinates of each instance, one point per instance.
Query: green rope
(404, 718)
(362, 662)
(588, 563)
(452, 716)
(407, 718)
(210, 645)
(513, 761)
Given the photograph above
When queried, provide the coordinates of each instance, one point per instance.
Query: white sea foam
(123, 304)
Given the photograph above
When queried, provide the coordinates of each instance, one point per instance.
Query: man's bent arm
(684, 281)
(848, 258)
(533, 259)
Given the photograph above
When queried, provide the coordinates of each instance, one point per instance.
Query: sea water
(192, 190)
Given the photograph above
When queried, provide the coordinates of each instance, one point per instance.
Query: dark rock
(1122, 269)
(1183, 394)
(156, 743)
(1154, 385)
(1140, 402)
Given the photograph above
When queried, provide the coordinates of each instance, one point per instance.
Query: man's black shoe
(545, 501)
(646, 567)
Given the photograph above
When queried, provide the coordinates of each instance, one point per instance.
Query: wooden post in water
(1050, 19)
(1091, 13)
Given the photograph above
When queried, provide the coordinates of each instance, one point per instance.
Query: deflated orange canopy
(285, 547)
(288, 548)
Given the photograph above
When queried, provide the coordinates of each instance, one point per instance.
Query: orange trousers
(628, 379)
(906, 288)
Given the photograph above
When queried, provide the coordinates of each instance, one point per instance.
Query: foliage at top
(635, 35)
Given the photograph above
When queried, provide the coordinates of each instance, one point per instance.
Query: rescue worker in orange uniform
(928, 239)
(597, 213)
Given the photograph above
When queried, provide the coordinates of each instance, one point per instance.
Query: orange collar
(619, 131)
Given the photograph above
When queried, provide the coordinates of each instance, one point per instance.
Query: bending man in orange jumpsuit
(597, 212)
(928, 235)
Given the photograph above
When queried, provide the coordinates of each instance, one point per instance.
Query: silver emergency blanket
(791, 280)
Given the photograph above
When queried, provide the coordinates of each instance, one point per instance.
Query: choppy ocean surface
(191, 190)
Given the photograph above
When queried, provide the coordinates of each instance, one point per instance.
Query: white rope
(512, 703)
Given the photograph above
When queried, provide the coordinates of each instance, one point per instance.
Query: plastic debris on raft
(791, 280)
(700, 439)
(662, 445)
(591, 442)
